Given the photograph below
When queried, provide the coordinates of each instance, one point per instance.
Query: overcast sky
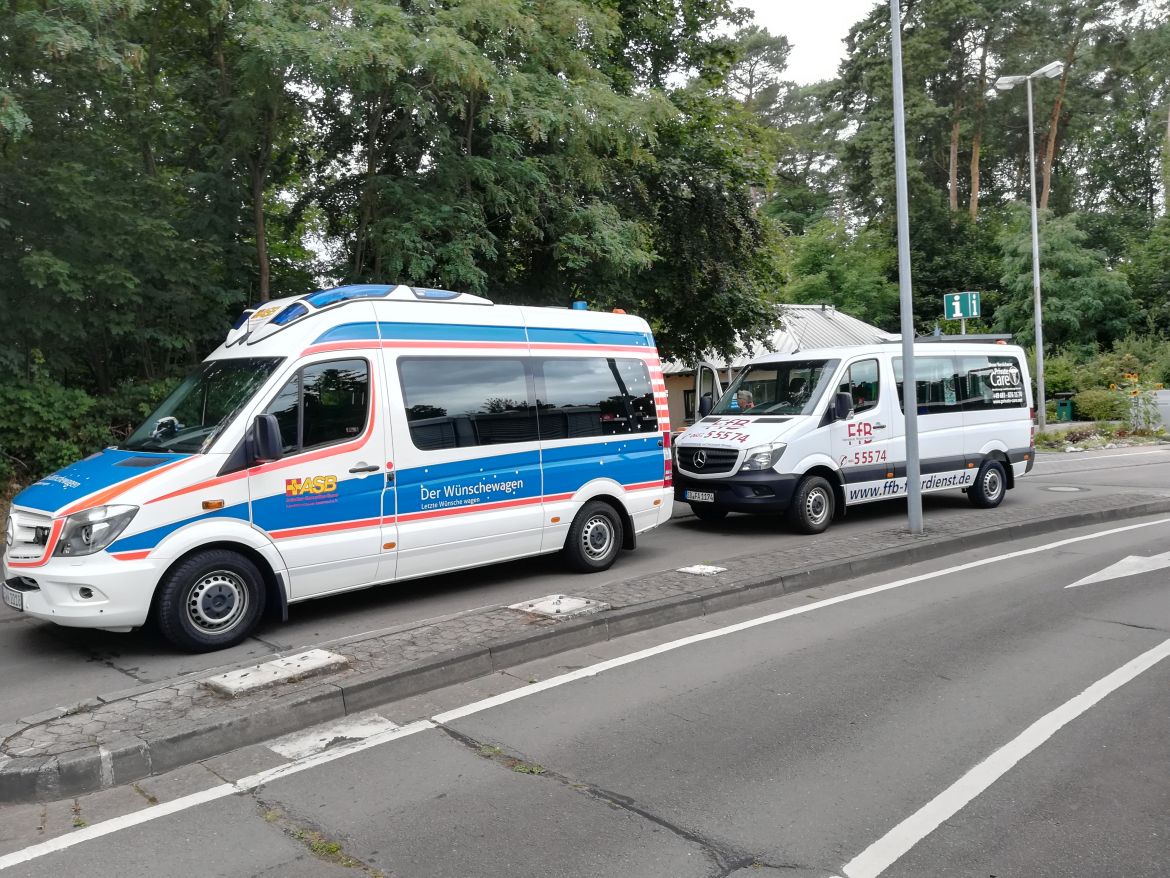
(816, 29)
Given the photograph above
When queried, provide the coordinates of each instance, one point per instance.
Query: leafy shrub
(1097, 404)
(1107, 368)
(1060, 373)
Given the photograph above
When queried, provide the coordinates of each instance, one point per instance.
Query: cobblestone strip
(111, 741)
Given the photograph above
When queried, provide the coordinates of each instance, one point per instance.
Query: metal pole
(962, 326)
(1041, 414)
(905, 296)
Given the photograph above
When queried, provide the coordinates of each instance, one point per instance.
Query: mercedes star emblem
(700, 459)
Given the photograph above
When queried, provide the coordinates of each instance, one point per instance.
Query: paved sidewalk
(122, 737)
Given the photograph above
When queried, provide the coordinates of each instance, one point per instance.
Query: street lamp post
(1005, 83)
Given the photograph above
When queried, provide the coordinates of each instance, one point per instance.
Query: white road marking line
(116, 824)
(1100, 457)
(880, 855)
(356, 727)
(1133, 565)
(183, 803)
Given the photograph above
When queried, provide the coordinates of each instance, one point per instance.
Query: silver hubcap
(992, 484)
(217, 602)
(816, 506)
(597, 537)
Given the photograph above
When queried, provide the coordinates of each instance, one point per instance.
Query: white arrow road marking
(1132, 565)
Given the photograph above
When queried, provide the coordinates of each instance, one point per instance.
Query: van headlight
(92, 530)
(762, 457)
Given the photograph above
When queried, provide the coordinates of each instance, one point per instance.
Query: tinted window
(322, 404)
(863, 385)
(991, 383)
(455, 402)
(593, 396)
(937, 384)
(198, 410)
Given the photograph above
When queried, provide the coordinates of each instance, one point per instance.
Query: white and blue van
(350, 437)
(809, 434)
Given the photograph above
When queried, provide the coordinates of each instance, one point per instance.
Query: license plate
(700, 496)
(13, 598)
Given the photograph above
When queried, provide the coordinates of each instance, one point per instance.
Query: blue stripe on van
(390, 331)
(469, 482)
(350, 332)
(629, 462)
(548, 335)
(148, 539)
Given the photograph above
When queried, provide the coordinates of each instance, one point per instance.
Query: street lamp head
(1050, 71)
(1006, 83)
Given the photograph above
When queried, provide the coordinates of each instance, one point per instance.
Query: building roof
(805, 327)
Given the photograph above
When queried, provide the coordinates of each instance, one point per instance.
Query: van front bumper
(742, 492)
(119, 592)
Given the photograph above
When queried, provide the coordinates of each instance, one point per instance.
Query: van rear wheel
(990, 486)
(210, 601)
(813, 505)
(595, 538)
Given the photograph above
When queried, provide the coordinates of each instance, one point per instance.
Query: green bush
(45, 426)
(1108, 368)
(1060, 373)
(1097, 404)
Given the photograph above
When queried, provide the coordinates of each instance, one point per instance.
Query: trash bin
(1064, 407)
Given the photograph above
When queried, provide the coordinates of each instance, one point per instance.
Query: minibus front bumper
(766, 491)
(97, 592)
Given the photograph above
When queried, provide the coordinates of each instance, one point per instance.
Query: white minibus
(350, 437)
(811, 433)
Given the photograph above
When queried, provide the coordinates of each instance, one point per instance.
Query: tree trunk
(977, 137)
(1054, 119)
(260, 231)
(367, 214)
(954, 162)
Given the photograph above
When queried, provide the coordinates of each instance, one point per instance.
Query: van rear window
(970, 382)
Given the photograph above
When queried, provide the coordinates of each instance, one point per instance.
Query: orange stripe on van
(103, 497)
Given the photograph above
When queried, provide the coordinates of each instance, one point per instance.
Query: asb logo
(310, 485)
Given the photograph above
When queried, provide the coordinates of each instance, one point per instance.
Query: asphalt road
(788, 745)
(47, 666)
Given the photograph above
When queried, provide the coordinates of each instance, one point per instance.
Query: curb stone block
(379, 687)
(79, 771)
(652, 614)
(129, 760)
(20, 779)
(567, 635)
(183, 745)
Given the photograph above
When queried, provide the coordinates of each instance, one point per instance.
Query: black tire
(705, 512)
(595, 538)
(990, 486)
(210, 601)
(813, 505)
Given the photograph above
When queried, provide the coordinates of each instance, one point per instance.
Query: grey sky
(816, 29)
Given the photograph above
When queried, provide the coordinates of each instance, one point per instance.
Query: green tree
(1084, 301)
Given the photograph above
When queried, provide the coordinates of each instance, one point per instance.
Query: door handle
(875, 426)
(364, 469)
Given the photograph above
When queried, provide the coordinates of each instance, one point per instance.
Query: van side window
(456, 402)
(863, 384)
(937, 385)
(322, 404)
(594, 396)
(991, 383)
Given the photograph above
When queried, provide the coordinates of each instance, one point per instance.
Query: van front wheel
(595, 538)
(989, 487)
(813, 505)
(210, 601)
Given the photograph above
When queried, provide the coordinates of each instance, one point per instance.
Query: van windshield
(198, 410)
(793, 387)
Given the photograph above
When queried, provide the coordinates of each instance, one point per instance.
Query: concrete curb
(127, 759)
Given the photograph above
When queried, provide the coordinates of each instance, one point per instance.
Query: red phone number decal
(859, 458)
(728, 430)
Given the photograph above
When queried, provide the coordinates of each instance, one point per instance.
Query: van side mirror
(705, 405)
(265, 440)
(842, 406)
